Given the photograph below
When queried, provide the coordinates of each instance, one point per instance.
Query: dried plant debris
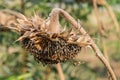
(8, 19)
(47, 47)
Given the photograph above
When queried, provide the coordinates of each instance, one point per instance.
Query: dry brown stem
(14, 13)
(100, 25)
(112, 14)
(59, 69)
(77, 25)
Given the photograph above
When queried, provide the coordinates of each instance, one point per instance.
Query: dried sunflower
(46, 46)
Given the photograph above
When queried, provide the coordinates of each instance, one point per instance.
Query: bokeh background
(17, 64)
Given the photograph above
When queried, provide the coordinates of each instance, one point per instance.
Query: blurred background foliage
(17, 64)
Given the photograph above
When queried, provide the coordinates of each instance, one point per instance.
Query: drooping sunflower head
(47, 47)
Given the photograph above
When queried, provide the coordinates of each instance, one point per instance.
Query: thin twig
(59, 69)
(112, 14)
(100, 23)
(83, 32)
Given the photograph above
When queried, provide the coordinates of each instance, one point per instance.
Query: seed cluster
(50, 51)
(46, 46)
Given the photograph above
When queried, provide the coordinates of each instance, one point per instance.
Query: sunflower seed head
(47, 47)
